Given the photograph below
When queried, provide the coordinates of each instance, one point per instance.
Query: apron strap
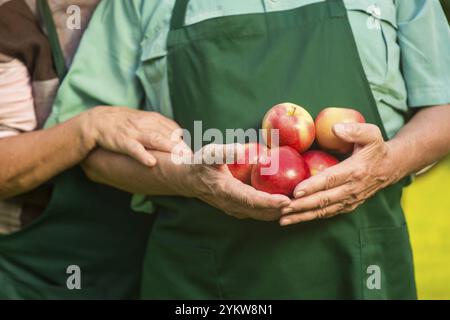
(337, 8)
(50, 27)
(179, 14)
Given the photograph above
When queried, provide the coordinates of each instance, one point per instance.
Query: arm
(425, 139)
(423, 36)
(374, 165)
(122, 172)
(103, 73)
(32, 158)
(212, 184)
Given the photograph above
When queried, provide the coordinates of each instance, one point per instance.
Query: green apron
(227, 72)
(86, 225)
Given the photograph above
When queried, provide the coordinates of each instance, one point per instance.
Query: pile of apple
(297, 132)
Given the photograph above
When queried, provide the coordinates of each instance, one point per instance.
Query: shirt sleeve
(16, 101)
(424, 39)
(103, 70)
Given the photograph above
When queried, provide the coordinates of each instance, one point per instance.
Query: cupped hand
(133, 132)
(213, 183)
(344, 187)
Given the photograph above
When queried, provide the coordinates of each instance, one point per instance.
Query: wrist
(397, 160)
(88, 132)
(187, 181)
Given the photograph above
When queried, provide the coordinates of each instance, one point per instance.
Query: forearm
(31, 159)
(125, 173)
(213, 185)
(422, 141)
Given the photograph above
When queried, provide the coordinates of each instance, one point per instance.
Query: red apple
(325, 121)
(318, 161)
(242, 167)
(280, 172)
(295, 126)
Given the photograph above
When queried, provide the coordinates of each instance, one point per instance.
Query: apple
(318, 161)
(295, 126)
(242, 167)
(290, 170)
(324, 123)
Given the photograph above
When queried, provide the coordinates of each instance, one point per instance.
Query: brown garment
(22, 38)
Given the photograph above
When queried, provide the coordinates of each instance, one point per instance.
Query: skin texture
(374, 165)
(425, 139)
(212, 184)
(324, 123)
(25, 166)
(318, 161)
(295, 126)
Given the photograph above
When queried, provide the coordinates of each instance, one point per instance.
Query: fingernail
(300, 194)
(285, 222)
(287, 211)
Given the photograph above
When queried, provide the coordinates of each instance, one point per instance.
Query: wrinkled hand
(214, 184)
(346, 186)
(133, 132)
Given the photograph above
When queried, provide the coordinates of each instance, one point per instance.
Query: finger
(250, 198)
(166, 131)
(164, 126)
(174, 133)
(322, 199)
(171, 124)
(326, 180)
(359, 133)
(171, 129)
(138, 152)
(159, 142)
(321, 213)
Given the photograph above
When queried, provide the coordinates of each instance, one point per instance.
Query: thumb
(359, 133)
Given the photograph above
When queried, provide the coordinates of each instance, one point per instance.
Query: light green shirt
(404, 47)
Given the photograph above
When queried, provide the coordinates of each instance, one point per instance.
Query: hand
(133, 132)
(214, 184)
(346, 186)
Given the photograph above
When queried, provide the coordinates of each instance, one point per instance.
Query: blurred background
(427, 207)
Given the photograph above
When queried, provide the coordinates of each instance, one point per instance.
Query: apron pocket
(387, 265)
(173, 270)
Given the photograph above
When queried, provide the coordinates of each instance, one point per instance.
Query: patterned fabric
(28, 85)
